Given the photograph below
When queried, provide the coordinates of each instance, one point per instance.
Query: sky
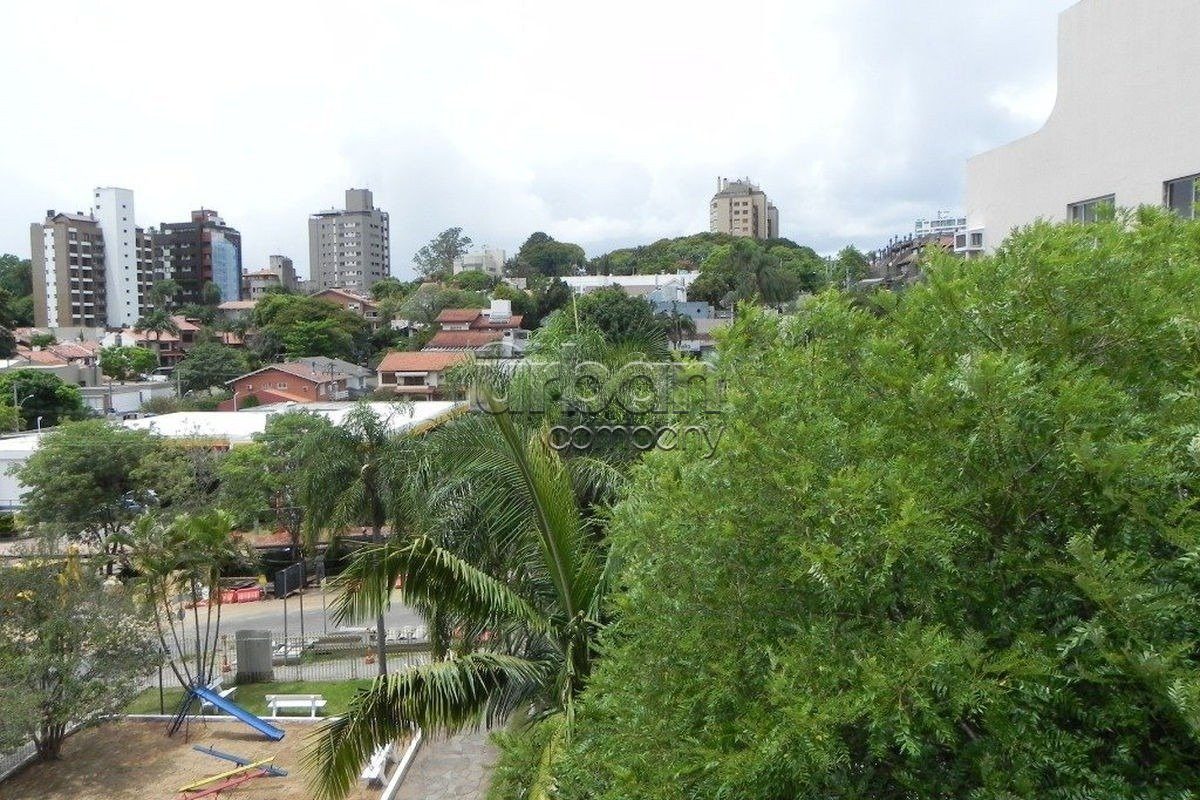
(605, 124)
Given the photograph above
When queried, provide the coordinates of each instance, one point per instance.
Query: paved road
(269, 615)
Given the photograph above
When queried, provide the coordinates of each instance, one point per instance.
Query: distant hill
(669, 255)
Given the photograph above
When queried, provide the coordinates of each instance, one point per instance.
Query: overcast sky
(605, 124)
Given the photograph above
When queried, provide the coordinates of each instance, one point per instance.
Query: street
(268, 615)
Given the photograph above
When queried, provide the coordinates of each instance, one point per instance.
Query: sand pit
(136, 761)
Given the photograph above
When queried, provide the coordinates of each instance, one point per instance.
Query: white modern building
(1125, 130)
(113, 209)
(489, 260)
(944, 224)
(666, 285)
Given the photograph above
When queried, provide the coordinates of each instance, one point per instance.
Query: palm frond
(444, 697)
(431, 575)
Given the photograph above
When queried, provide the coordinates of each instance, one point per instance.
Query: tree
(210, 294)
(208, 365)
(179, 563)
(80, 482)
(318, 338)
(263, 481)
(541, 602)
(436, 259)
(473, 280)
(391, 287)
(179, 478)
(16, 280)
(677, 326)
(351, 475)
(542, 255)
(73, 651)
(945, 549)
(42, 340)
(41, 395)
(126, 363)
(8, 343)
(298, 325)
(163, 294)
(157, 321)
(426, 303)
(850, 266)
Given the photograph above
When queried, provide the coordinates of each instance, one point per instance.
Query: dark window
(1090, 210)
(1182, 195)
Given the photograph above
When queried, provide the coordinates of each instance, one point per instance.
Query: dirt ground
(136, 761)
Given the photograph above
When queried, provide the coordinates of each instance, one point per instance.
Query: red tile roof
(484, 322)
(463, 340)
(298, 369)
(458, 314)
(400, 361)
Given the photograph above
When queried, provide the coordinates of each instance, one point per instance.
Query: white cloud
(603, 124)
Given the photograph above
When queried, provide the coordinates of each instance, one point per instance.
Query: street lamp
(17, 405)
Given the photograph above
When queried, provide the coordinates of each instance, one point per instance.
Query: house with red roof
(418, 375)
(287, 382)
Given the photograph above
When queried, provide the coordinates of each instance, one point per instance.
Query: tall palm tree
(352, 473)
(677, 326)
(540, 602)
(182, 560)
(157, 321)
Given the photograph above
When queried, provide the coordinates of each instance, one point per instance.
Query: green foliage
(16, 291)
(391, 287)
(80, 479)
(436, 259)
(72, 651)
(426, 303)
(947, 549)
(618, 317)
(749, 270)
(542, 255)
(849, 266)
(42, 340)
(663, 256)
(8, 343)
(207, 365)
(126, 363)
(297, 326)
(181, 478)
(41, 394)
(473, 280)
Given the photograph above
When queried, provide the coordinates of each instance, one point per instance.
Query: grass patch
(253, 696)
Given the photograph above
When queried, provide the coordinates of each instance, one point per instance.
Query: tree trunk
(380, 631)
(49, 742)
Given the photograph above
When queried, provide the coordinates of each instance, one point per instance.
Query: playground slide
(234, 710)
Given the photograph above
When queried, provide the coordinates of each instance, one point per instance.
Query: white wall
(1127, 118)
(113, 208)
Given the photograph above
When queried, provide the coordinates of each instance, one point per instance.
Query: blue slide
(234, 710)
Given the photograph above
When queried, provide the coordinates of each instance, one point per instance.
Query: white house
(1125, 129)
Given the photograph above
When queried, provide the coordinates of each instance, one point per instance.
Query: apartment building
(739, 208)
(489, 260)
(349, 248)
(198, 252)
(1122, 133)
(68, 271)
(126, 274)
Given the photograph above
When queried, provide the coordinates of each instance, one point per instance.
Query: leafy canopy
(948, 547)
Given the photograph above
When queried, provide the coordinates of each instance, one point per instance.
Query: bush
(947, 548)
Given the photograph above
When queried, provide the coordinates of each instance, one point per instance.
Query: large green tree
(126, 363)
(73, 650)
(946, 547)
(80, 481)
(41, 395)
(436, 259)
(295, 326)
(541, 254)
(16, 281)
(208, 365)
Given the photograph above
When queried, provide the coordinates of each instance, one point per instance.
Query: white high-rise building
(113, 209)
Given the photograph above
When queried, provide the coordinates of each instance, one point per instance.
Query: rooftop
(425, 361)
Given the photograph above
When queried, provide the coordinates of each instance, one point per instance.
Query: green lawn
(252, 696)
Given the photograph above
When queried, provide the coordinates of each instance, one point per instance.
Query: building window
(1182, 195)
(1090, 210)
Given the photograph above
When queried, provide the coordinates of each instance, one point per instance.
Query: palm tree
(677, 326)
(540, 601)
(157, 321)
(352, 473)
(181, 561)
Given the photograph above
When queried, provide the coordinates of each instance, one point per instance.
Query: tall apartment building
(279, 273)
(69, 283)
(197, 252)
(740, 208)
(1123, 131)
(349, 248)
(124, 273)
